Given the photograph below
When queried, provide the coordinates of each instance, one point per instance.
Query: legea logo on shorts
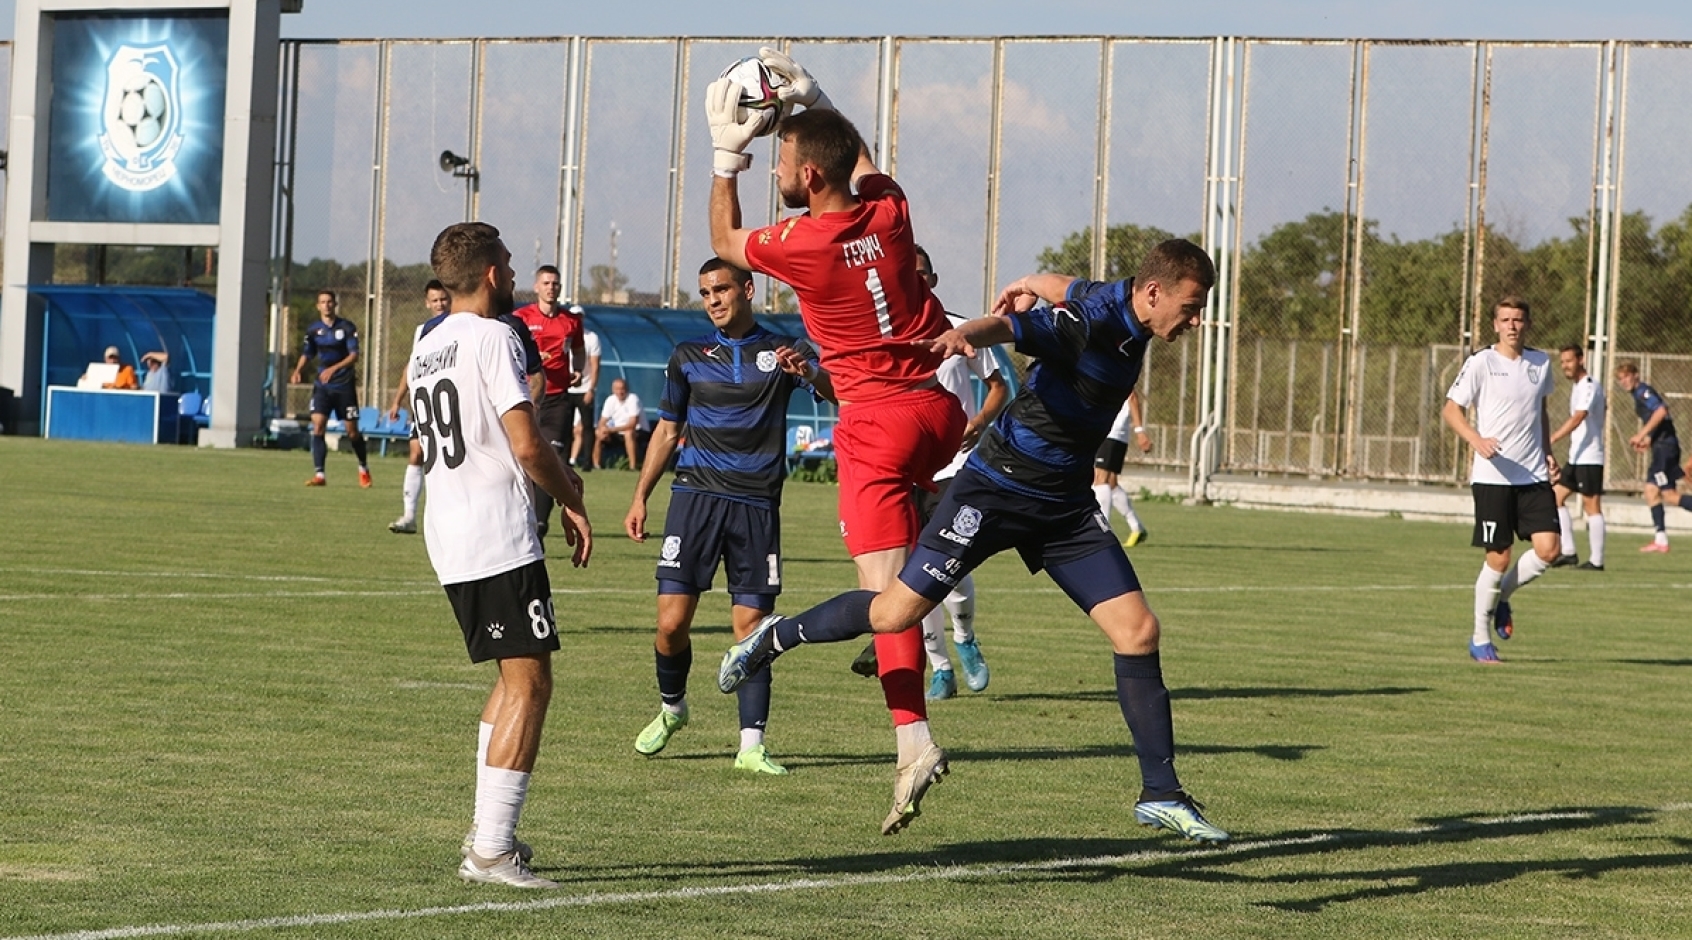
(496, 630)
(142, 118)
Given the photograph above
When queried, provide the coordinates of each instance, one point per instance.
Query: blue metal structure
(82, 321)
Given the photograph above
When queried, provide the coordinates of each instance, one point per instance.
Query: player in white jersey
(954, 376)
(1107, 464)
(1583, 472)
(481, 447)
(1507, 383)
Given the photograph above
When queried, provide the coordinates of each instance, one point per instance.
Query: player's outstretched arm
(997, 397)
(541, 463)
(1019, 296)
(730, 136)
(659, 448)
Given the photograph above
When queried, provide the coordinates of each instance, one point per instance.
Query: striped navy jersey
(1646, 401)
(1090, 349)
(729, 398)
(531, 352)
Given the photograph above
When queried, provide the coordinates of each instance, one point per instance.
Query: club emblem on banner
(142, 118)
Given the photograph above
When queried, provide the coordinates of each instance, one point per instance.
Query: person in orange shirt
(126, 373)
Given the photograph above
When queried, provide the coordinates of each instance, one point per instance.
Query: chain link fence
(1367, 201)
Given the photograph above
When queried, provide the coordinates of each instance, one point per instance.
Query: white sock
(751, 738)
(1486, 598)
(676, 708)
(934, 640)
(1101, 493)
(912, 739)
(1662, 537)
(1595, 539)
(1125, 506)
(961, 605)
(412, 490)
(1565, 529)
(499, 802)
(1529, 567)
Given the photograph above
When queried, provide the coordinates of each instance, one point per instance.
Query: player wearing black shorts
(1583, 472)
(481, 448)
(334, 341)
(1656, 436)
(1027, 487)
(1507, 383)
(730, 390)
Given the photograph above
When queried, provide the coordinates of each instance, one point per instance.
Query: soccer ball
(144, 110)
(759, 92)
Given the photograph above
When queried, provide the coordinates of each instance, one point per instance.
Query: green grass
(227, 698)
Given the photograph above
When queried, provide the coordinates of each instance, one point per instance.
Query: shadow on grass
(1206, 694)
(1653, 662)
(963, 756)
(1097, 860)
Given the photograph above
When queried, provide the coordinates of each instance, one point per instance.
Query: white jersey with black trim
(1586, 441)
(954, 376)
(1123, 428)
(1509, 396)
(464, 375)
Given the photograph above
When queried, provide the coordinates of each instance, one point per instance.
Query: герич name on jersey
(434, 362)
(862, 251)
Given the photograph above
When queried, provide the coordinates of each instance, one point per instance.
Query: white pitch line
(946, 873)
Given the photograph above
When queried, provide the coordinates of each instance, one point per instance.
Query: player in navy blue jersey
(1656, 435)
(728, 392)
(1028, 487)
(334, 341)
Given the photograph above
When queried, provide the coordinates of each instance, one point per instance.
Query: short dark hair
(737, 273)
(1627, 367)
(926, 259)
(1579, 351)
(1170, 262)
(435, 284)
(462, 253)
(828, 140)
(1512, 302)
(551, 269)
(326, 292)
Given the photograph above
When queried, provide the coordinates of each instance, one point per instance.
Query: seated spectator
(158, 372)
(622, 418)
(126, 373)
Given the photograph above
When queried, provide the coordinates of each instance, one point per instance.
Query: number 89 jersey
(464, 375)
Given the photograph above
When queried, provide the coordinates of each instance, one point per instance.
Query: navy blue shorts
(701, 529)
(977, 520)
(1664, 471)
(336, 400)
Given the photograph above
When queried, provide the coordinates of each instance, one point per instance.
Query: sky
(1430, 19)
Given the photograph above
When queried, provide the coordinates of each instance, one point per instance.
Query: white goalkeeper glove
(800, 88)
(729, 133)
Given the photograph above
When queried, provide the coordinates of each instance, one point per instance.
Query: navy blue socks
(1145, 706)
(672, 675)
(1657, 519)
(754, 699)
(836, 619)
(319, 452)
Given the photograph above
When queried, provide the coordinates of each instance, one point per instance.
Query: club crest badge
(142, 118)
(766, 361)
(672, 547)
(967, 522)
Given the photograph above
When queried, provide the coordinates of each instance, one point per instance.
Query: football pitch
(235, 706)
